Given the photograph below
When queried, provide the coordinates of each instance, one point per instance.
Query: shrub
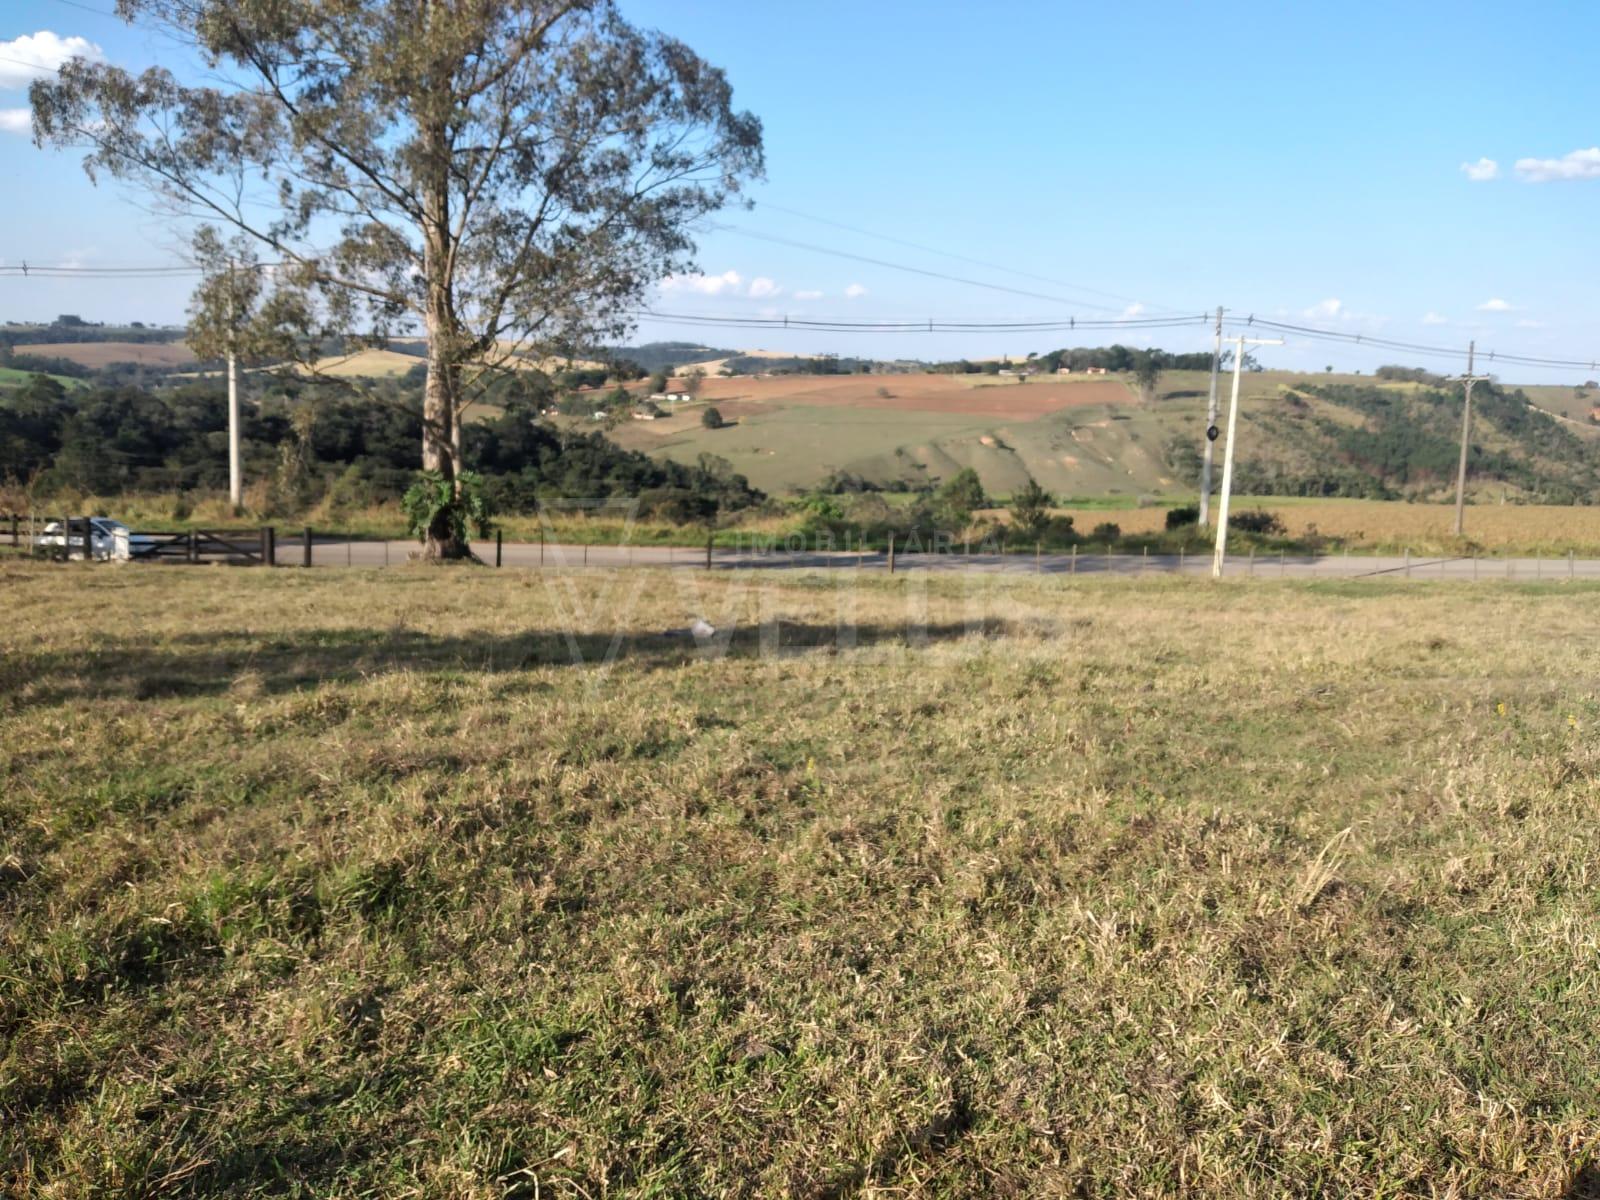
(962, 494)
(711, 419)
(1030, 509)
(1106, 531)
(1188, 514)
(431, 502)
(1256, 520)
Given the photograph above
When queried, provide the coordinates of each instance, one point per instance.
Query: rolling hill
(1086, 436)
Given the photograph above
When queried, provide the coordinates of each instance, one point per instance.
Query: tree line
(306, 445)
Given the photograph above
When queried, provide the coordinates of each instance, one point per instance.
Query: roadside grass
(353, 883)
(1360, 526)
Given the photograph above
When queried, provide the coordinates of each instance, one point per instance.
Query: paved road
(1291, 566)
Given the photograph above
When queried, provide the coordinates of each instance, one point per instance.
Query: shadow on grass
(210, 664)
(1585, 1184)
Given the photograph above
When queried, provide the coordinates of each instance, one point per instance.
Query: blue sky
(1305, 162)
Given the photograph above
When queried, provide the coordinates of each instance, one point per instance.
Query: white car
(108, 539)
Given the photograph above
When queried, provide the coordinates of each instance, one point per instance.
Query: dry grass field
(103, 354)
(1394, 526)
(355, 883)
(927, 393)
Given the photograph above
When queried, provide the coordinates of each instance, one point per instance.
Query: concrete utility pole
(235, 471)
(1220, 555)
(1211, 428)
(1466, 432)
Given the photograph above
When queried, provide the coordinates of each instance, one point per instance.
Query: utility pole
(1211, 428)
(1221, 554)
(235, 472)
(1466, 432)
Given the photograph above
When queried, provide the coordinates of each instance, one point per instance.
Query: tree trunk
(441, 446)
(441, 396)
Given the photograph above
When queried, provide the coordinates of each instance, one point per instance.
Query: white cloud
(1481, 171)
(705, 285)
(855, 291)
(808, 295)
(16, 120)
(1325, 310)
(1579, 164)
(1133, 310)
(1529, 323)
(1433, 318)
(1494, 305)
(761, 287)
(35, 55)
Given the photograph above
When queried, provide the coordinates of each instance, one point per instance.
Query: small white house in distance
(669, 397)
(645, 414)
(1095, 371)
(1063, 370)
(598, 414)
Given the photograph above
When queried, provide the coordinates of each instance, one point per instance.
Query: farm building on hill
(1096, 371)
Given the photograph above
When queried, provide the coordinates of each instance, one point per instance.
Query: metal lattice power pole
(1211, 429)
(1466, 433)
(1220, 556)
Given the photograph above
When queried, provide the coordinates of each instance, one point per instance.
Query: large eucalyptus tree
(502, 175)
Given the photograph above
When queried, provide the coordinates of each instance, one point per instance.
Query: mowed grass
(353, 883)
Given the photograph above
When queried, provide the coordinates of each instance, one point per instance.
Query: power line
(977, 262)
(89, 8)
(930, 325)
(894, 266)
(28, 270)
(1454, 352)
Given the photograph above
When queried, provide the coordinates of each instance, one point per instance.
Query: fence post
(1408, 562)
(306, 556)
(710, 537)
(269, 546)
(14, 542)
(1570, 565)
(1038, 555)
(1074, 558)
(1252, 560)
(194, 549)
(891, 554)
(497, 546)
